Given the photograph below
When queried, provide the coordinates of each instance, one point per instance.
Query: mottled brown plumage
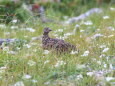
(55, 44)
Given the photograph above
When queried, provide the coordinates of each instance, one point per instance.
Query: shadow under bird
(57, 45)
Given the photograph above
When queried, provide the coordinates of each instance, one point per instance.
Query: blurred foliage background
(21, 9)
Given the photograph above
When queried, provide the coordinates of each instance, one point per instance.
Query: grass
(65, 70)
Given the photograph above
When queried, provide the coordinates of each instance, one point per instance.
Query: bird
(55, 44)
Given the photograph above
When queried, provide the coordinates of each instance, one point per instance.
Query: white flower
(77, 26)
(2, 26)
(105, 50)
(74, 52)
(79, 76)
(88, 23)
(111, 28)
(6, 49)
(103, 55)
(26, 76)
(47, 83)
(25, 36)
(2, 70)
(27, 45)
(12, 52)
(19, 83)
(86, 53)
(7, 33)
(34, 38)
(60, 30)
(110, 36)
(46, 52)
(102, 46)
(111, 66)
(14, 21)
(14, 27)
(90, 73)
(105, 65)
(31, 63)
(106, 17)
(59, 63)
(30, 29)
(112, 9)
(65, 17)
(82, 30)
(68, 34)
(34, 81)
(47, 61)
(109, 78)
(99, 62)
(97, 35)
(80, 66)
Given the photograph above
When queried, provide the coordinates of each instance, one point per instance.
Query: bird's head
(47, 30)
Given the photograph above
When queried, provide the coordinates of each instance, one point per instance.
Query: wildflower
(34, 81)
(26, 76)
(2, 70)
(14, 27)
(47, 83)
(109, 78)
(80, 66)
(30, 29)
(103, 55)
(99, 62)
(7, 33)
(12, 52)
(97, 35)
(99, 75)
(34, 38)
(105, 50)
(111, 28)
(79, 76)
(31, 63)
(68, 34)
(112, 9)
(6, 49)
(88, 23)
(86, 53)
(19, 83)
(106, 17)
(90, 73)
(46, 52)
(98, 29)
(47, 61)
(2, 26)
(102, 46)
(27, 45)
(65, 17)
(110, 36)
(60, 30)
(74, 52)
(59, 63)
(82, 30)
(14, 21)
(105, 65)
(111, 66)
(77, 26)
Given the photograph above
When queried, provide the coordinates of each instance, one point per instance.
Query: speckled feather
(56, 44)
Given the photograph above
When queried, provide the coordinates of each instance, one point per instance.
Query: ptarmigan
(57, 45)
